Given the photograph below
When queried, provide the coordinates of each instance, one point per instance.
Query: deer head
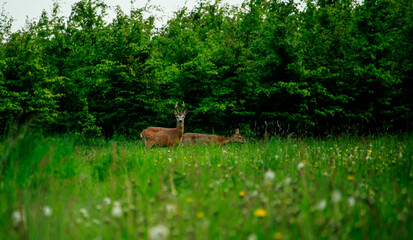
(180, 115)
(237, 137)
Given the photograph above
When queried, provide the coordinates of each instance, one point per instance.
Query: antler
(183, 106)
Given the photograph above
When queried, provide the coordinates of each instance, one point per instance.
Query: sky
(32, 9)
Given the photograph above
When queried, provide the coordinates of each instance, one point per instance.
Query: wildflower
(219, 165)
(47, 211)
(158, 232)
(16, 217)
(336, 196)
(278, 235)
(117, 210)
(84, 213)
(252, 236)
(241, 194)
(287, 180)
(300, 165)
(224, 151)
(199, 214)
(170, 159)
(260, 212)
(189, 200)
(350, 178)
(95, 221)
(170, 208)
(351, 201)
(269, 176)
(107, 201)
(321, 205)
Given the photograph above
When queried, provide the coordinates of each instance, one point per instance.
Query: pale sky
(21, 9)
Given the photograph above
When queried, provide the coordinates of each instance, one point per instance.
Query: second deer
(195, 138)
(166, 137)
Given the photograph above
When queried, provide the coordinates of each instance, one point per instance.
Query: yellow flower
(189, 200)
(278, 235)
(199, 214)
(260, 212)
(242, 194)
(219, 165)
(350, 178)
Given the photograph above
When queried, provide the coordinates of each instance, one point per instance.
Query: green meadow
(67, 187)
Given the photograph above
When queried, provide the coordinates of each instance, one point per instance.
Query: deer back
(159, 136)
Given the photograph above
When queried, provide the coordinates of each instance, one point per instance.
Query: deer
(194, 138)
(166, 137)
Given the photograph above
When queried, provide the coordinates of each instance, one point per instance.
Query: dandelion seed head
(252, 236)
(47, 211)
(300, 165)
(117, 210)
(158, 232)
(269, 176)
(336, 196)
(16, 217)
(170, 208)
(351, 201)
(321, 205)
(84, 213)
(287, 181)
(107, 201)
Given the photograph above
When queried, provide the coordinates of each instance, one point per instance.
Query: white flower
(252, 236)
(224, 151)
(287, 181)
(269, 176)
(170, 208)
(117, 210)
(158, 232)
(16, 217)
(47, 211)
(351, 201)
(321, 205)
(300, 165)
(84, 213)
(336, 196)
(107, 201)
(170, 159)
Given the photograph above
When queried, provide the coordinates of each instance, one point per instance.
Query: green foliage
(265, 66)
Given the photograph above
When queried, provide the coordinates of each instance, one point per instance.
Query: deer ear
(185, 111)
(237, 131)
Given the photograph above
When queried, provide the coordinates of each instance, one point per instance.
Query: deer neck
(224, 140)
(180, 131)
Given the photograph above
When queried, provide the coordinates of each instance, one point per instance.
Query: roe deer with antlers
(194, 138)
(166, 137)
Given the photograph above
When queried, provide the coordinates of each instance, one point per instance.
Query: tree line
(266, 67)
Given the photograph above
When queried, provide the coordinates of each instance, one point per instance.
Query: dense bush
(266, 66)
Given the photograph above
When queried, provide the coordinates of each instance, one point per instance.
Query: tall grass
(67, 188)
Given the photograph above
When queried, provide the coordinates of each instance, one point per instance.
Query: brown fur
(166, 137)
(196, 138)
(159, 136)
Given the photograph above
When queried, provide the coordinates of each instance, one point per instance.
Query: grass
(341, 188)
